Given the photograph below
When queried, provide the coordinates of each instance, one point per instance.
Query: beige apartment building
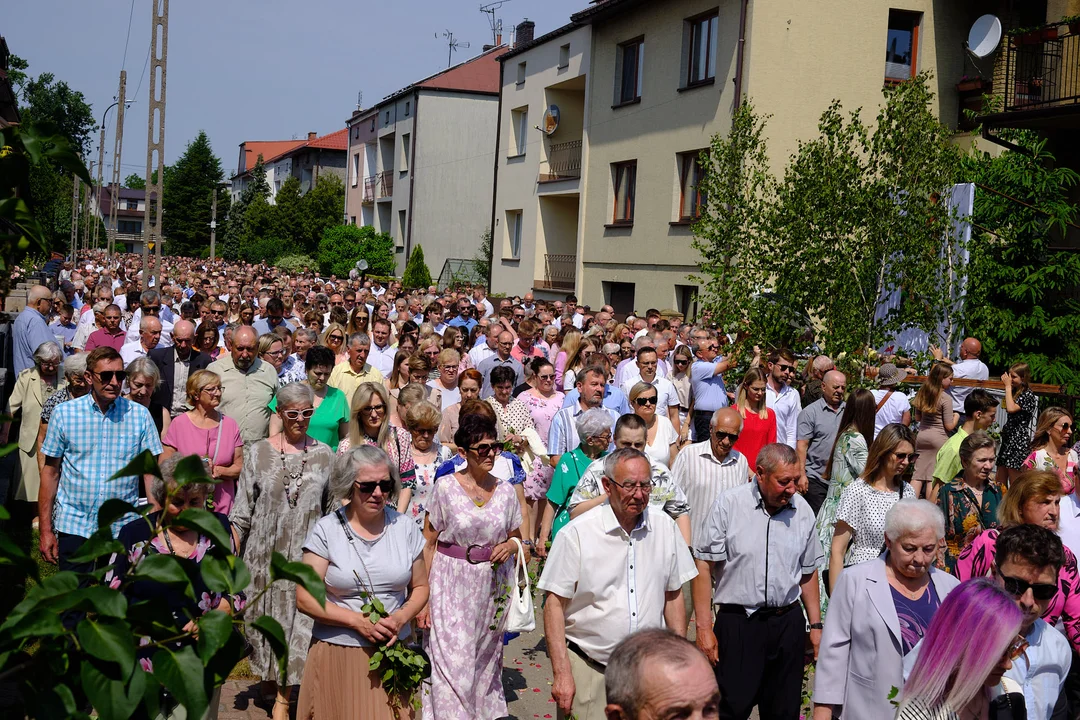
(658, 80)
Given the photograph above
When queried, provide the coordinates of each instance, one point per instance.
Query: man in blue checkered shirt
(89, 439)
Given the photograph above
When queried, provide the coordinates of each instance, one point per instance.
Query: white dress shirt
(666, 394)
(702, 478)
(615, 582)
(972, 369)
(382, 358)
(786, 404)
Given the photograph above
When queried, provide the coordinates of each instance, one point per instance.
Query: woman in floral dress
(846, 463)
(1022, 406)
(543, 401)
(1050, 447)
(471, 516)
(970, 503)
(422, 421)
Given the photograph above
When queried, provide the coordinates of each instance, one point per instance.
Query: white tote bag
(519, 615)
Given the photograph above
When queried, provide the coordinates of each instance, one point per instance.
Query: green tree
(135, 182)
(235, 229)
(857, 217)
(416, 273)
(481, 262)
(323, 207)
(290, 210)
(342, 245)
(1020, 300)
(188, 195)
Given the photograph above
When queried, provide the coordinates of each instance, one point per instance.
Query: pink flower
(146, 665)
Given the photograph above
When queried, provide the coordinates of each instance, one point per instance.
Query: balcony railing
(563, 162)
(560, 272)
(369, 190)
(386, 184)
(1042, 67)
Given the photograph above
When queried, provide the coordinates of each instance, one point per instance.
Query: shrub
(263, 249)
(296, 263)
(416, 270)
(342, 245)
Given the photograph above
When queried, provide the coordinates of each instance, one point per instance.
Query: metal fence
(563, 162)
(1042, 67)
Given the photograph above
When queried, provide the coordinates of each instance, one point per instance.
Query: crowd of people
(407, 444)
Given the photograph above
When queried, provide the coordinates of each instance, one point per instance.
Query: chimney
(488, 47)
(525, 32)
(311, 136)
(498, 39)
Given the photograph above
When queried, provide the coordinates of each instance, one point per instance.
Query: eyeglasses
(786, 368)
(1017, 587)
(338, 338)
(108, 376)
(367, 409)
(721, 435)
(632, 487)
(519, 317)
(910, 457)
(422, 431)
(546, 377)
(643, 401)
(682, 362)
(276, 353)
(486, 448)
(1065, 427)
(387, 486)
(449, 367)
(297, 414)
(1016, 648)
(152, 309)
(213, 390)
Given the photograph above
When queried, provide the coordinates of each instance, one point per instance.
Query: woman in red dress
(759, 422)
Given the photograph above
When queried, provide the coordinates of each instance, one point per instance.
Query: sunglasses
(1017, 587)
(297, 414)
(720, 435)
(546, 377)
(682, 362)
(486, 448)
(1017, 648)
(372, 409)
(1065, 427)
(107, 376)
(643, 401)
(153, 309)
(910, 457)
(387, 486)
(338, 338)
(786, 368)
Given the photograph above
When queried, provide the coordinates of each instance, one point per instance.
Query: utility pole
(74, 244)
(100, 169)
(86, 213)
(155, 143)
(213, 225)
(118, 145)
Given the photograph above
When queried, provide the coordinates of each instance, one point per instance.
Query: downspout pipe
(740, 53)
(412, 176)
(495, 180)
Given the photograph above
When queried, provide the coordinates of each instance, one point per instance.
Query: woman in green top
(970, 502)
(330, 423)
(594, 429)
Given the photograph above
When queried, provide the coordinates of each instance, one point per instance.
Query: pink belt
(473, 554)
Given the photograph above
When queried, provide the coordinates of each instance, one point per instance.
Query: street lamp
(213, 219)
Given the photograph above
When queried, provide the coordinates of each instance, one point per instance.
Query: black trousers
(761, 663)
(702, 420)
(816, 494)
(68, 545)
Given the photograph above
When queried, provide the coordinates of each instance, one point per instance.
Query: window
(132, 205)
(356, 133)
(352, 219)
(386, 118)
(520, 128)
(564, 55)
(355, 169)
(521, 73)
(902, 46)
(702, 59)
(629, 67)
(513, 232)
(373, 124)
(408, 106)
(625, 178)
(405, 148)
(401, 228)
(691, 173)
(619, 295)
(130, 227)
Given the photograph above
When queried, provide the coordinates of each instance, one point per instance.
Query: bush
(342, 245)
(416, 270)
(264, 250)
(296, 263)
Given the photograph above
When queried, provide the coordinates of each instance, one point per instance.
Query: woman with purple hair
(970, 644)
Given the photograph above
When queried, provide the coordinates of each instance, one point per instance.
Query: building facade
(660, 80)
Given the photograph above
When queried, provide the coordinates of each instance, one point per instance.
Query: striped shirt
(563, 435)
(93, 447)
(702, 477)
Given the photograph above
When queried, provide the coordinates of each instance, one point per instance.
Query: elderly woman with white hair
(33, 388)
(143, 378)
(281, 494)
(879, 610)
(363, 550)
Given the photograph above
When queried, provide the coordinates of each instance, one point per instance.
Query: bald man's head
(506, 344)
(970, 348)
(242, 350)
(833, 387)
(724, 430)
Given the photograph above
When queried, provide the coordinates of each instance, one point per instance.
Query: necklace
(289, 478)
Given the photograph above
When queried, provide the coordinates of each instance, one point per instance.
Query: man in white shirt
(149, 304)
(484, 307)
(149, 335)
(381, 355)
(968, 366)
(781, 398)
(488, 347)
(616, 569)
(667, 398)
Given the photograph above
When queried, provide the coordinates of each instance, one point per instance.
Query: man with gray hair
(149, 338)
(816, 431)
(820, 365)
(614, 570)
(248, 385)
(655, 674)
(31, 328)
(150, 304)
(757, 588)
(354, 371)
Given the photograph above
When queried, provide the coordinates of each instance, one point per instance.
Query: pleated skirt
(338, 685)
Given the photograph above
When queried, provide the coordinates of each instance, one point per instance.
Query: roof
(601, 9)
(124, 194)
(477, 75)
(337, 140)
(557, 32)
(267, 148)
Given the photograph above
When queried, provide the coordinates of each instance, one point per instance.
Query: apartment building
(659, 80)
(420, 162)
(130, 213)
(250, 152)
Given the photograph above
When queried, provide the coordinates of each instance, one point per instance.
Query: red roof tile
(267, 148)
(481, 74)
(334, 141)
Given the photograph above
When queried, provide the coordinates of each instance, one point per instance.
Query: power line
(145, 64)
(131, 14)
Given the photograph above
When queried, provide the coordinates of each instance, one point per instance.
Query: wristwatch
(817, 626)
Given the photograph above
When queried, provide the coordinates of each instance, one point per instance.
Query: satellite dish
(984, 37)
(361, 265)
(551, 120)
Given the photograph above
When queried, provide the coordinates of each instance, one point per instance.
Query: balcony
(560, 271)
(369, 191)
(385, 182)
(1042, 68)
(563, 162)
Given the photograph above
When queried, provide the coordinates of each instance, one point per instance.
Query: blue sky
(252, 69)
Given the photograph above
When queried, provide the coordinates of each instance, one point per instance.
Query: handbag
(520, 616)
